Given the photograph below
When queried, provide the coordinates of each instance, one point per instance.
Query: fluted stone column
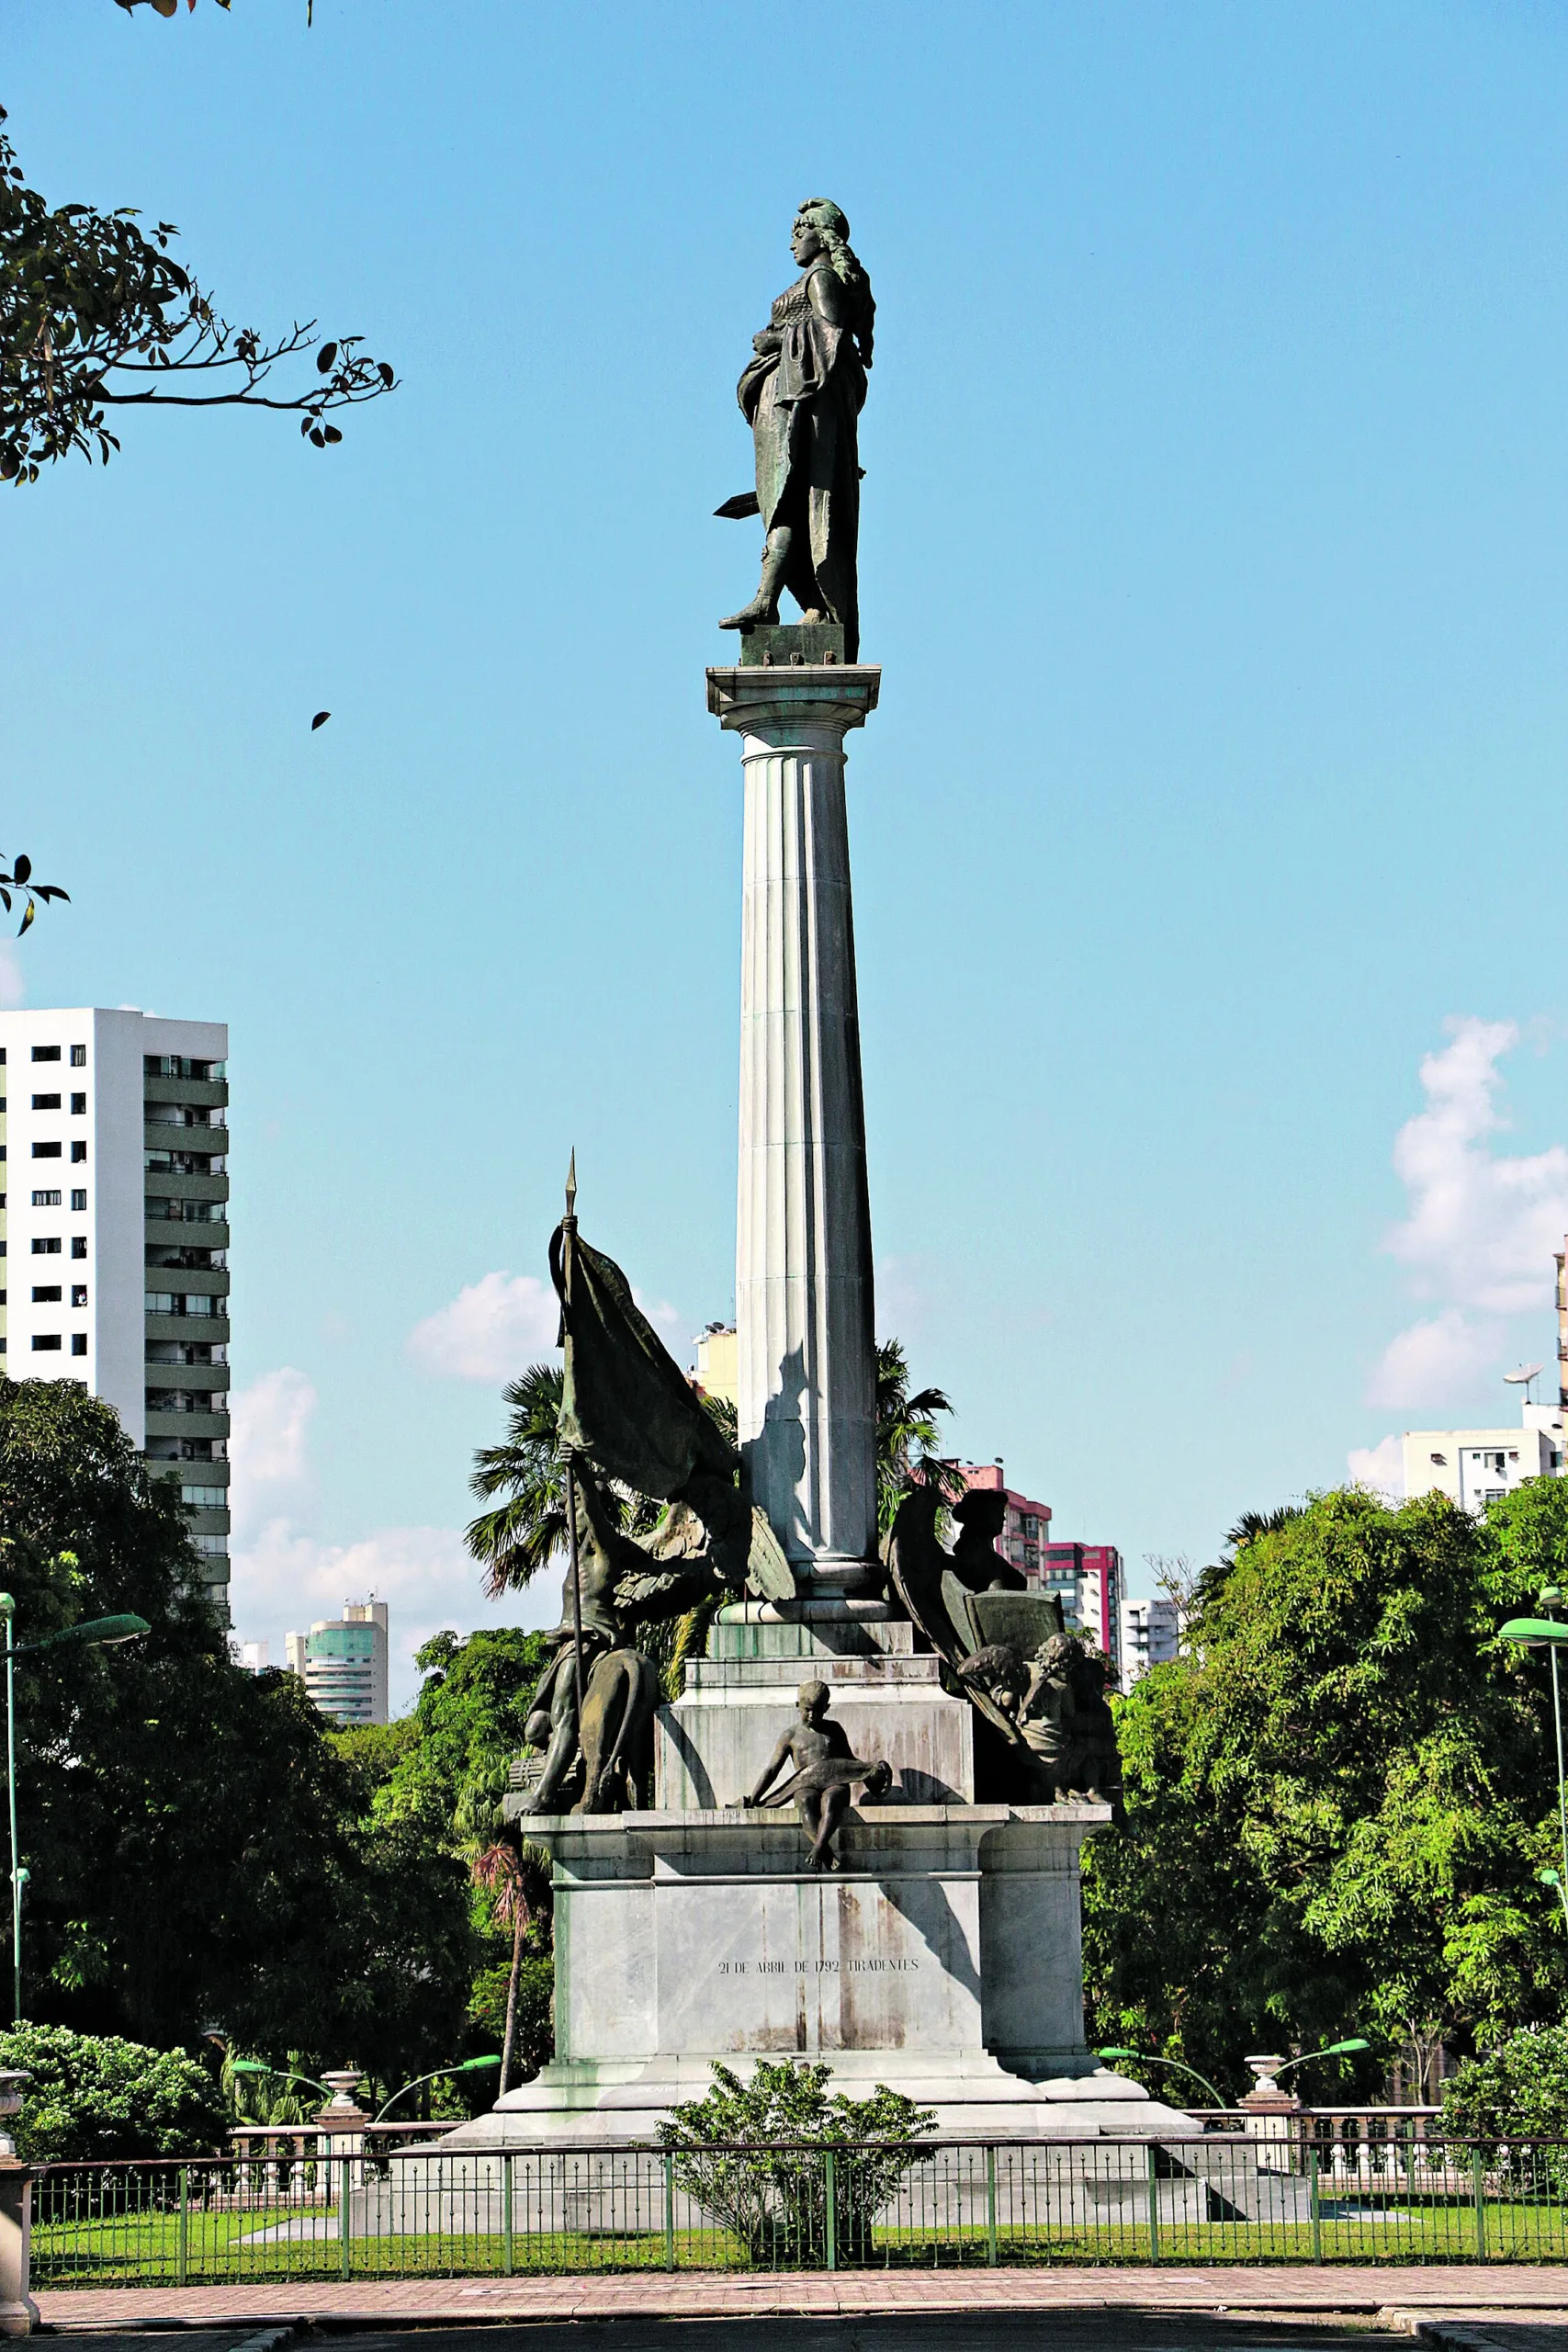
(803, 1272)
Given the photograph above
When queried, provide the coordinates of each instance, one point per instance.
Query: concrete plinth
(941, 1958)
(802, 1275)
(18, 2312)
(712, 1744)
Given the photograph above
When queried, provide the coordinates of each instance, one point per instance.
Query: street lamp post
(96, 1633)
(1179, 2066)
(468, 2066)
(1549, 1633)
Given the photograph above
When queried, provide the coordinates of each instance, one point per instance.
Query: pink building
(1087, 1578)
(1028, 1529)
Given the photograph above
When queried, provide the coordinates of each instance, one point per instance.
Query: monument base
(941, 1958)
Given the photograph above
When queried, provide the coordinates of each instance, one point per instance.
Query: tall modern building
(1151, 1635)
(114, 1230)
(1089, 1577)
(343, 1663)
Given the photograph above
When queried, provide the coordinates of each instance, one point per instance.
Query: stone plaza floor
(1499, 2309)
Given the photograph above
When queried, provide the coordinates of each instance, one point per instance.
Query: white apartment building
(1475, 1467)
(1151, 1635)
(343, 1663)
(114, 1233)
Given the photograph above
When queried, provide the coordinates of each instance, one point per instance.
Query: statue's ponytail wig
(834, 231)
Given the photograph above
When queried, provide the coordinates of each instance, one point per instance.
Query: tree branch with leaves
(95, 315)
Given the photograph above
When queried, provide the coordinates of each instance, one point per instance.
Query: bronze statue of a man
(802, 396)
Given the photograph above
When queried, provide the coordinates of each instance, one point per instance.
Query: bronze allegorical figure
(802, 396)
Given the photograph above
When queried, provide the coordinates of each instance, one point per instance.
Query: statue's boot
(762, 612)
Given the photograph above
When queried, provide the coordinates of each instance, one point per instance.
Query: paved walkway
(1480, 2298)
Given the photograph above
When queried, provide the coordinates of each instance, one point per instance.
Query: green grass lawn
(145, 2249)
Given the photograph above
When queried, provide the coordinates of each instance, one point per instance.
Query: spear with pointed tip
(569, 1230)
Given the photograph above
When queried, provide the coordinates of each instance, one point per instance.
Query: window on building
(79, 1152)
(46, 1101)
(46, 1294)
(43, 1341)
(78, 1201)
(78, 1056)
(46, 1200)
(78, 1343)
(46, 1053)
(78, 1106)
(204, 1498)
(46, 1244)
(78, 1245)
(46, 1151)
(78, 1294)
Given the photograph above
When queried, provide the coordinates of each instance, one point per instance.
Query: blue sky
(1215, 552)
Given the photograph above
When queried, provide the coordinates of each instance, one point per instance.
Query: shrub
(747, 2153)
(93, 2095)
(1517, 2091)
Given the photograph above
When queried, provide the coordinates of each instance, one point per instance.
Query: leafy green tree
(95, 315)
(282, 1913)
(94, 2097)
(748, 2152)
(1338, 1802)
(444, 1784)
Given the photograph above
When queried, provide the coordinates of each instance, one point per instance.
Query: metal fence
(1214, 2197)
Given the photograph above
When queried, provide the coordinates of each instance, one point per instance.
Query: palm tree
(907, 1435)
(511, 1881)
(524, 1534)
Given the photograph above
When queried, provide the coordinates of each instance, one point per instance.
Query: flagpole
(569, 1230)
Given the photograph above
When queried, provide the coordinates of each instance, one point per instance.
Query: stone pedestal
(943, 1958)
(18, 2312)
(803, 1272)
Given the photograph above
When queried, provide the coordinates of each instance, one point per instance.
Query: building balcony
(200, 1093)
(174, 1183)
(186, 1328)
(186, 1228)
(185, 1282)
(189, 1424)
(171, 1371)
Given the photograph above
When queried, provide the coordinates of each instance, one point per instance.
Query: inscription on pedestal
(816, 1967)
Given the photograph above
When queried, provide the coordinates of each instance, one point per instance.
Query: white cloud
(492, 1330)
(1482, 1225)
(1434, 1361)
(1381, 1467)
(667, 1320)
(270, 1447)
(496, 1327)
(285, 1577)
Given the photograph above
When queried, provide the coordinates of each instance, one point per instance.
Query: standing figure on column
(802, 396)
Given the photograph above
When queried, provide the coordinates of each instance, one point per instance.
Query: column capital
(833, 694)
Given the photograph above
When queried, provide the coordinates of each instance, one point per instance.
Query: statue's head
(819, 228)
(985, 1508)
(812, 1700)
(1055, 1654)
